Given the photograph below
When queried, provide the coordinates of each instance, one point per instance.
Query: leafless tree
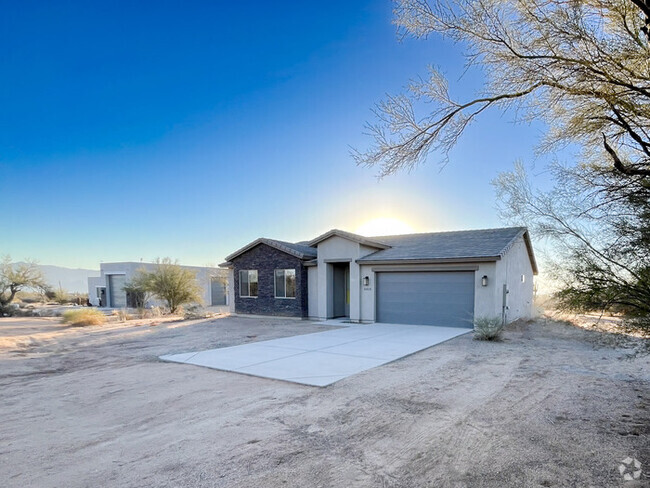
(17, 277)
(599, 229)
(582, 66)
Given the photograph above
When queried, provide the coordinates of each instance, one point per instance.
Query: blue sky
(134, 130)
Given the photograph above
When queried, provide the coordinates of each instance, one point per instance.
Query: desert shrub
(123, 315)
(488, 328)
(638, 325)
(30, 297)
(84, 316)
(61, 296)
(169, 282)
(194, 312)
(156, 312)
(137, 294)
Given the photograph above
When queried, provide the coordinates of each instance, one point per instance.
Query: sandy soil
(551, 405)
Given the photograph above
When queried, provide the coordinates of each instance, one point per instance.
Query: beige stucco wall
(483, 296)
(510, 269)
(312, 292)
(488, 299)
(333, 249)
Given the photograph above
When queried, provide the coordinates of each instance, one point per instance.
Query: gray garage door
(116, 289)
(426, 298)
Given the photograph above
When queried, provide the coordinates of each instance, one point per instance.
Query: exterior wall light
(484, 280)
(366, 281)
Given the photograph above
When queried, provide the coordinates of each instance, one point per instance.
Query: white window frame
(284, 275)
(249, 271)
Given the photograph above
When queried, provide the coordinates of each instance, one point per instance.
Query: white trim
(350, 237)
(97, 287)
(422, 268)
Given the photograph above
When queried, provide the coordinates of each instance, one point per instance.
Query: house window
(248, 283)
(285, 283)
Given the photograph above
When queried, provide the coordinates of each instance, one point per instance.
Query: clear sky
(186, 129)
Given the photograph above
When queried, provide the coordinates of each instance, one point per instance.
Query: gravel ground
(551, 405)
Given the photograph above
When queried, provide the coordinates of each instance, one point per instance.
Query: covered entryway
(443, 298)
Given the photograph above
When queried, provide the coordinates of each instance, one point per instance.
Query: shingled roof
(464, 245)
(449, 246)
(299, 250)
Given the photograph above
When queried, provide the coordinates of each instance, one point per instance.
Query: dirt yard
(551, 405)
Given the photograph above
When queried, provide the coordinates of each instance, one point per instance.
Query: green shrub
(488, 328)
(169, 282)
(84, 316)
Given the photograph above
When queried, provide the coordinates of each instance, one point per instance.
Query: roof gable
(300, 250)
(350, 237)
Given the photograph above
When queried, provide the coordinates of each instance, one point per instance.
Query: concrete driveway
(322, 358)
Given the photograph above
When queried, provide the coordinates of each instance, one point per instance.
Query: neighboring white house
(107, 290)
(439, 278)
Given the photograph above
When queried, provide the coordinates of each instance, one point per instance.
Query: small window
(285, 283)
(248, 283)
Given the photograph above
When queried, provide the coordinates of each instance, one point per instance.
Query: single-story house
(438, 278)
(107, 289)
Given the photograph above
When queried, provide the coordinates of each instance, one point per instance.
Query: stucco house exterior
(440, 278)
(106, 290)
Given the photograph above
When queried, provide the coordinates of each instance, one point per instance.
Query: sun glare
(384, 227)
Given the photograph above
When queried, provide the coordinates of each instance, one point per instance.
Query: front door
(341, 290)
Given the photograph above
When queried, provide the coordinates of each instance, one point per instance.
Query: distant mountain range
(72, 280)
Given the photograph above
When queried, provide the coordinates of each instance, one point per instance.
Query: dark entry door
(341, 291)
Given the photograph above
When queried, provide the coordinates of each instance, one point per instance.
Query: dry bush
(156, 312)
(122, 315)
(488, 328)
(85, 316)
(193, 312)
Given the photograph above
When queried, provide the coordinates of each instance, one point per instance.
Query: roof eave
(270, 243)
(349, 236)
(531, 254)
(523, 233)
(480, 259)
